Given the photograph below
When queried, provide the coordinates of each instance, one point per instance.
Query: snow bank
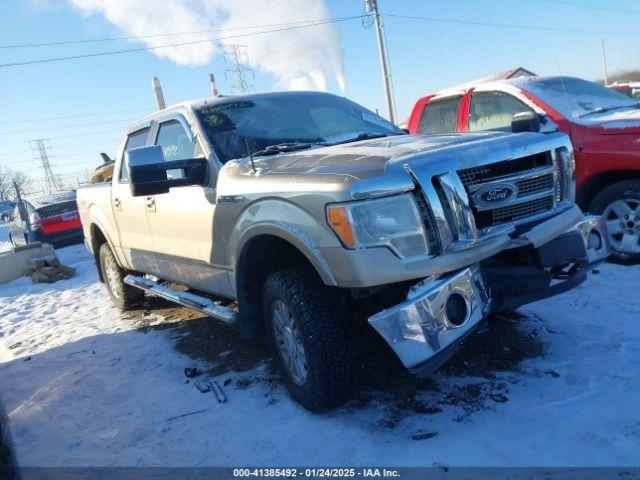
(84, 386)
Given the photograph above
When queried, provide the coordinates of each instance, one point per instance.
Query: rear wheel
(309, 338)
(123, 296)
(619, 204)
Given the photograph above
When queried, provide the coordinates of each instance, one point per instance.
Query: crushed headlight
(392, 222)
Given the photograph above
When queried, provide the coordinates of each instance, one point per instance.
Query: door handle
(150, 201)
(116, 202)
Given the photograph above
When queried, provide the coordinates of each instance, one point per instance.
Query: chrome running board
(186, 299)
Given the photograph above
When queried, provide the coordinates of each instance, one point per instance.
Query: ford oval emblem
(495, 194)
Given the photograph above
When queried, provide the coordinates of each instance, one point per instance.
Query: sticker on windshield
(373, 118)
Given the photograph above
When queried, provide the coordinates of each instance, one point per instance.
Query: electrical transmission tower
(236, 56)
(40, 146)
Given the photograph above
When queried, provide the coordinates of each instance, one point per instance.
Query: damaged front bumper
(436, 315)
(425, 329)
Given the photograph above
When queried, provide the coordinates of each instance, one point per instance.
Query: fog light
(595, 240)
(456, 309)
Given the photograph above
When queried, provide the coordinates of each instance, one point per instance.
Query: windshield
(574, 97)
(293, 118)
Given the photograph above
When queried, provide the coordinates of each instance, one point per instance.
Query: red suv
(604, 127)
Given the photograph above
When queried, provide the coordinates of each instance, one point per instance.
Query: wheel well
(260, 257)
(97, 239)
(597, 183)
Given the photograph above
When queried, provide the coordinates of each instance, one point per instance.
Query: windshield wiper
(281, 148)
(367, 136)
(608, 109)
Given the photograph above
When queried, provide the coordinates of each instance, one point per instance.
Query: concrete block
(41, 278)
(50, 271)
(52, 261)
(36, 263)
(13, 264)
(69, 271)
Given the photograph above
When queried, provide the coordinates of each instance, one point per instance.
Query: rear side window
(440, 116)
(493, 111)
(135, 140)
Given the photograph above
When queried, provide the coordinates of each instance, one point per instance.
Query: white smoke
(299, 58)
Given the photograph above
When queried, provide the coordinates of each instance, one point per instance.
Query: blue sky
(100, 96)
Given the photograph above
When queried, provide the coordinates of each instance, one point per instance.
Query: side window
(135, 140)
(493, 111)
(176, 145)
(440, 116)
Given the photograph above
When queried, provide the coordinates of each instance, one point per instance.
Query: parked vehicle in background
(301, 212)
(604, 127)
(630, 89)
(52, 219)
(6, 210)
(104, 173)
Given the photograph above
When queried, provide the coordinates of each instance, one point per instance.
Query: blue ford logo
(493, 194)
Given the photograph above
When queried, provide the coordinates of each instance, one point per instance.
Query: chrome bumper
(436, 315)
(595, 237)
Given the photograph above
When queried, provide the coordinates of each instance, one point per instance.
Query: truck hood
(615, 122)
(368, 158)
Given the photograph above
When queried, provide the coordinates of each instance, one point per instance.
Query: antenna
(237, 55)
(564, 92)
(250, 152)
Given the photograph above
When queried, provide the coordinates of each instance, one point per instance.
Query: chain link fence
(40, 209)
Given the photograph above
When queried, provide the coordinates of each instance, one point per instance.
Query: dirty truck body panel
(441, 216)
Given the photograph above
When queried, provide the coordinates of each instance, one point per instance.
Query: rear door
(130, 212)
(440, 115)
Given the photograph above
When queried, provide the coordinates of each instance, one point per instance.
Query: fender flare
(295, 237)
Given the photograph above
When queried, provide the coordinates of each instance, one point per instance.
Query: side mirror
(147, 171)
(525, 122)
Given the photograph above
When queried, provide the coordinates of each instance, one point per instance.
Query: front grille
(536, 184)
(429, 223)
(492, 172)
(512, 213)
(529, 186)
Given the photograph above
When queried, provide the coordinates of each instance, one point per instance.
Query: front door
(181, 221)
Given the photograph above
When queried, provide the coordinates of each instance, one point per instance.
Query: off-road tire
(624, 190)
(330, 352)
(123, 296)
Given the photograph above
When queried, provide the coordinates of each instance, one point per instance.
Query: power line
(86, 134)
(141, 49)
(76, 125)
(136, 37)
(592, 7)
(64, 117)
(509, 25)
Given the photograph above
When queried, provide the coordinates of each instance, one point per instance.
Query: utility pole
(604, 63)
(238, 58)
(371, 6)
(40, 146)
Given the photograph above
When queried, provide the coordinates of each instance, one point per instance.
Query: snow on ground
(85, 386)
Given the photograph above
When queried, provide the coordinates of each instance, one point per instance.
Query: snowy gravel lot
(556, 384)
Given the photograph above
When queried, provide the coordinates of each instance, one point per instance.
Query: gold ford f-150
(286, 214)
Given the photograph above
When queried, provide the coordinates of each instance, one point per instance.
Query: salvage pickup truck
(285, 214)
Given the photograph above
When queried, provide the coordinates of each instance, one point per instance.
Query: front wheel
(619, 204)
(308, 337)
(123, 296)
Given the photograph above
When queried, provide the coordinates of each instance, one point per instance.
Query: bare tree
(5, 184)
(7, 179)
